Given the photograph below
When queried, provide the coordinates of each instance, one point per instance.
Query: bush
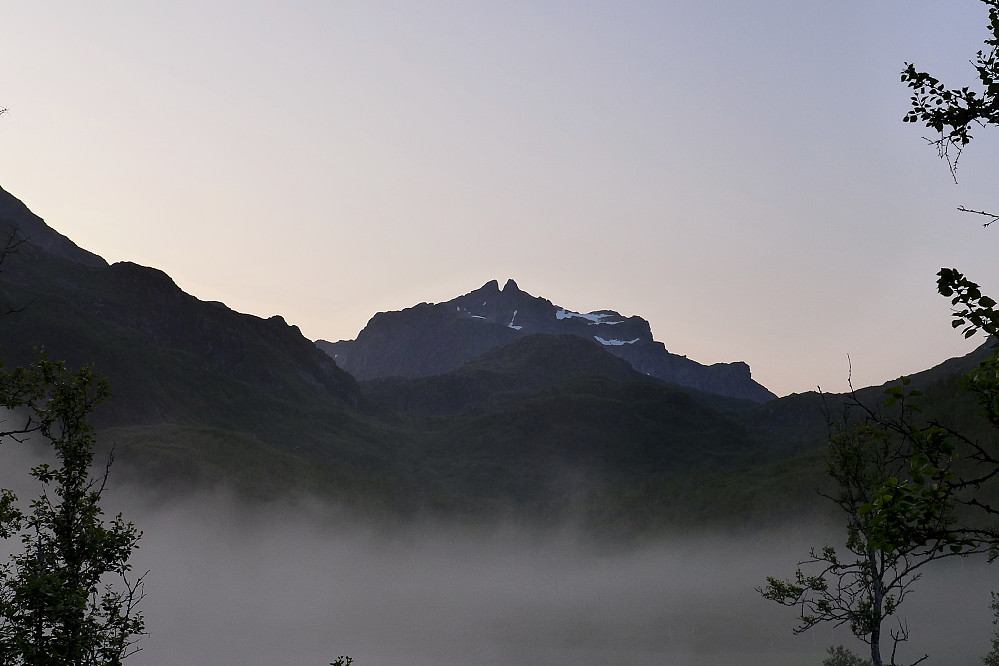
(840, 656)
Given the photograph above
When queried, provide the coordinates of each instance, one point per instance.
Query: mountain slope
(171, 358)
(505, 373)
(556, 417)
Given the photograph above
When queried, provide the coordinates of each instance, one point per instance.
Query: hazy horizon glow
(736, 173)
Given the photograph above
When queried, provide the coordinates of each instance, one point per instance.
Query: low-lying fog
(229, 586)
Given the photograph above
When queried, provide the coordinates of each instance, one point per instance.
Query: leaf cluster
(972, 309)
(953, 112)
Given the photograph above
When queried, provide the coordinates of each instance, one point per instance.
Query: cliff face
(432, 339)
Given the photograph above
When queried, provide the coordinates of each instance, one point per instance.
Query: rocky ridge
(432, 339)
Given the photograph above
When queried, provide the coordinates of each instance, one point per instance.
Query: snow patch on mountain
(513, 319)
(593, 317)
(614, 343)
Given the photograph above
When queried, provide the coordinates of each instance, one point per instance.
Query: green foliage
(973, 310)
(58, 603)
(973, 313)
(952, 112)
(840, 656)
(915, 504)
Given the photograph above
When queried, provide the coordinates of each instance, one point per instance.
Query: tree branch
(994, 216)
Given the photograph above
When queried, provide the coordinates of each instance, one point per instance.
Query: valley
(485, 475)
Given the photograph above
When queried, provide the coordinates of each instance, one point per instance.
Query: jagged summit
(431, 339)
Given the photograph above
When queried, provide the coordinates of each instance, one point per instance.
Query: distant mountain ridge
(432, 339)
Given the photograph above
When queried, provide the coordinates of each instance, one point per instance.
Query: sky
(735, 172)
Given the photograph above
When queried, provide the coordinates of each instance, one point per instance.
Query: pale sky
(734, 171)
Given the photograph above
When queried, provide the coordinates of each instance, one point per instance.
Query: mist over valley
(296, 582)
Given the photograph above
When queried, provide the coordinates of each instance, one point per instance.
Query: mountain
(432, 339)
(171, 358)
(541, 422)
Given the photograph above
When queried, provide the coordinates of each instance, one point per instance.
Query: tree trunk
(877, 576)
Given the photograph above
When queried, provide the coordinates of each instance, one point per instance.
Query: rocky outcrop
(432, 339)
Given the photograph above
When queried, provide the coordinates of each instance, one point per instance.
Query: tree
(901, 506)
(953, 113)
(900, 485)
(59, 605)
(67, 598)
(899, 518)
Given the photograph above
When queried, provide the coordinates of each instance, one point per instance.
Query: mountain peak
(435, 339)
